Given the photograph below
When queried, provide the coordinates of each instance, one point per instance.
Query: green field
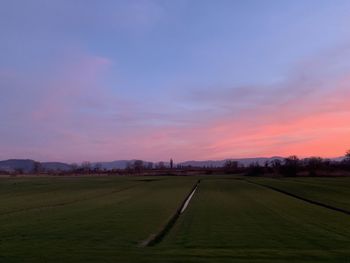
(331, 191)
(229, 219)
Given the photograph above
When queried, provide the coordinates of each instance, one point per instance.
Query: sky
(88, 80)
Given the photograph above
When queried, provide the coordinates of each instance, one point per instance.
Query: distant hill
(55, 166)
(338, 159)
(28, 166)
(120, 164)
(12, 165)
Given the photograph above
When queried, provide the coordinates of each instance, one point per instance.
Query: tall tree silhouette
(291, 166)
(347, 154)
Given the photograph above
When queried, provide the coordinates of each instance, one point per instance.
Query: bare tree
(138, 165)
(161, 165)
(266, 164)
(313, 164)
(74, 167)
(254, 169)
(86, 166)
(291, 166)
(276, 163)
(347, 154)
(37, 168)
(231, 166)
(150, 165)
(98, 167)
(129, 166)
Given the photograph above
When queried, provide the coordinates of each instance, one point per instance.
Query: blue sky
(103, 80)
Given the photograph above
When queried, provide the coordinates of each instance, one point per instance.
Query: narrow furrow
(154, 239)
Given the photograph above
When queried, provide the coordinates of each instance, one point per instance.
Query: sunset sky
(85, 80)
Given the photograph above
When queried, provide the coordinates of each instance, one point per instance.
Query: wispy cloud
(143, 79)
(71, 114)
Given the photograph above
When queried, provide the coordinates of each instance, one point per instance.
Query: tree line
(290, 166)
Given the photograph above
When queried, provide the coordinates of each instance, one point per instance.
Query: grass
(101, 221)
(238, 216)
(331, 191)
(105, 220)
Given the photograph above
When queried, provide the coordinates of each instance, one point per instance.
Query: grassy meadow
(229, 219)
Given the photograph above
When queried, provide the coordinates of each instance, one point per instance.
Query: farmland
(229, 219)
